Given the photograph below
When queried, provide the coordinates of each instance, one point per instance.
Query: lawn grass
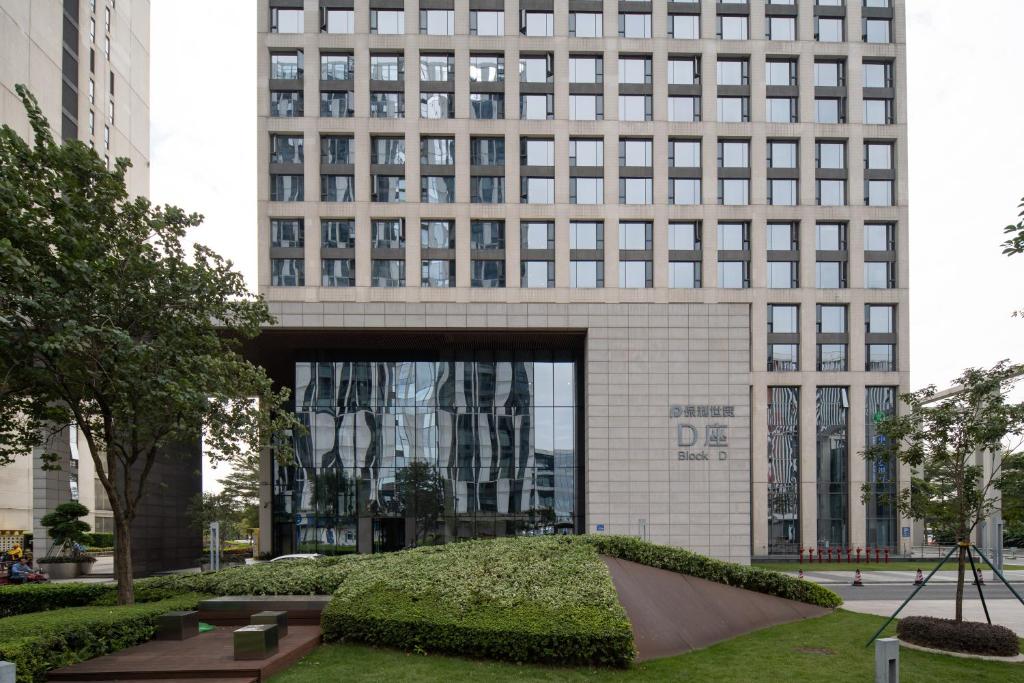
(829, 648)
(892, 566)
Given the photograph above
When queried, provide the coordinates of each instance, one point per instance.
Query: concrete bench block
(272, 617)
(7, 672)
(177, 625)
(256, 641)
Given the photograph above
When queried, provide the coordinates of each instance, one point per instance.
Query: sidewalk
(902, 576)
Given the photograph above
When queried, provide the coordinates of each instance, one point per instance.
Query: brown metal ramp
(673, 613)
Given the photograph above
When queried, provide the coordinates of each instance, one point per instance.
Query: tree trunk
(123, 561)
(961, 557)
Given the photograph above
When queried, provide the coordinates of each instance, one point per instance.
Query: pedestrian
(20, 571)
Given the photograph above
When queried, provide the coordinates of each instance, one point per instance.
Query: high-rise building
(586, 266)
(87, 64)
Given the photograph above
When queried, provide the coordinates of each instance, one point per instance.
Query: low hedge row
(36, 643)
(964, 636)
(40, 597)
(517, 599)
(99, 539)
(703, 567)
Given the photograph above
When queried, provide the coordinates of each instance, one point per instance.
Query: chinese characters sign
(699, 434)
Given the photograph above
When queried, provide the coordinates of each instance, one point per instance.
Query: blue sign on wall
(906, 532)
(600, 527)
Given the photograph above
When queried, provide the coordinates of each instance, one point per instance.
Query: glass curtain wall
(833, 462)
(407, 453)
(783, 470)
(882, 476)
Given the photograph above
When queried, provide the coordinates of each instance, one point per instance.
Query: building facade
(586, 266)
(87, 64)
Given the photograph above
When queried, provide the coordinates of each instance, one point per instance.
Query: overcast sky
(966, 125)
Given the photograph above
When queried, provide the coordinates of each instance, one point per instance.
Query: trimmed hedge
(37, 643)
(40, 597)
(965, 636)
(686, 562)
(99, 539)
(546, 599)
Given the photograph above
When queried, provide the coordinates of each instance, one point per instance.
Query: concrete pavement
(904, 577)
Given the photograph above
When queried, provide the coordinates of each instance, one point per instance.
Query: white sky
(966, 161)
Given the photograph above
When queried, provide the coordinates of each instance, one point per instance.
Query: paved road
(942, 591)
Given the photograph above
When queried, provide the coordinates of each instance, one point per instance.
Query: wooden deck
(208, 657)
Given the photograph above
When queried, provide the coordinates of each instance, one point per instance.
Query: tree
(943, 435)
(1014, 243)
(206, 508)
(107, 323)
(1012, 488)
(65, 526)
(421, 491)
(242, 486)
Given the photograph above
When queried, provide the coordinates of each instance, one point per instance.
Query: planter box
(59, 570)
(85, 568)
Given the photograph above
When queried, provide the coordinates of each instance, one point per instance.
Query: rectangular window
(832, 465)
(387, 234)
(783, 455)
(337, 104)
(287, 272)
(830, 236)
(781, 110)
(387, 105)
(487, 151)
(733, 274)
(338, 21)
(437, 273)
(878, 156)
(586, 190)
(780, 72)
(828, 29)
(586, 274)
(780, 28)
(782, 154)
(783, 357)
(831, 319)
(733, 154)
(486, 69)
(733, 109)
(635, 274)
(486, 23)
(877, 30)
(437, 22)
(487, 105)
(732, 27)
(733, 237)
(282, 20)
(684, 274)
(584, 235)
(387, 188)
(684, 236)
(437, 189)
(684, 191)
(635, 236)
(636, 190)
(881, 358)
(387, 68)
(733, 191)
(733, 72)
(684, 154)
(781, 237)
(387, 21)
(783, 275)
(537, 274)
(536, 69)
(634, 25)
(634, 70)
(437, 151)
(437, 105)
(684, 109)
(538, 235)
(880, 275)
(437, 234)
(337, 234)
(286, 188)
(536, 24)
(283, 67)
(878, 112)
(586, 152)
(586, 107)
(831, 192)
(337, 67)
(829, 110)
(337, 272)
(684, 26)
(783, 319)
(830, 155)
(537, 190)
(830, 274)
(537, 107)
(878, 192)
(585, 24)
(387, 273)
(487, 274)
(586, 69)
(684, 71)
(287, 232)
(387, 150)
(879, 237)
(830, 74)
(879, 319)
(437, 68)
(337, 188)
(487, 235)
(635, 108)
(336, 149)
(286, 149)
(878, 75)
(487, 189)
(832, 358)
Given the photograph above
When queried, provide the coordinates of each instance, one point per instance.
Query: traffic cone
(801, 574)
(919, 579)
(979, 580)
(856, 579)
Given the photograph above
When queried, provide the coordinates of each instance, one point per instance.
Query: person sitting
(20, 571)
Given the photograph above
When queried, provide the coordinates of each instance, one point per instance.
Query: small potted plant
(65, 526)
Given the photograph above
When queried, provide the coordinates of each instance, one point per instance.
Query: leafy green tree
(1014, 243)
(944, 436)
(65, 526)
(108, 322)
(206, 508)
(1012, 488)
(421, 490)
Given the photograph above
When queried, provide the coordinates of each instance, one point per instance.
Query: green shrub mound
(703, 567)
(40, 597)
(547, 599)
(36, 643)
(964, 636)
(100, 539)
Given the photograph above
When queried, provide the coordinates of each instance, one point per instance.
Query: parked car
(297, 556)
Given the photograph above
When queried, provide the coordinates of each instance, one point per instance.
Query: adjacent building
(589, 266)
(87, 63)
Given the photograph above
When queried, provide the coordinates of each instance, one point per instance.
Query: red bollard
(887, 556)
(876, 553)
(848, 551)
(801, 554)
(858, 555)
(810, 555)
(821, 554)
